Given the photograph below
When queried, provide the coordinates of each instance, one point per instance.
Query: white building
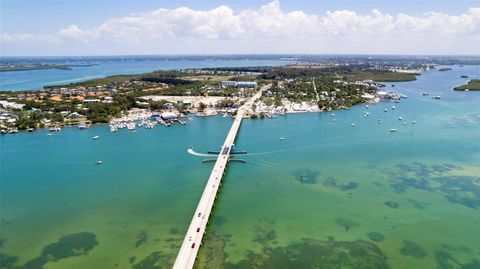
(247, 84)
(88, 101)
(7, 104)
(227, 83)
(239, 84)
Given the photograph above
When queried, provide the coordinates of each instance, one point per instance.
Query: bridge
(188, 251)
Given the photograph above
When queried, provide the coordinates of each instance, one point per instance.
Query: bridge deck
(188, 251)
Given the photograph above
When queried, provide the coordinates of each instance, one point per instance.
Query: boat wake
(194, 153)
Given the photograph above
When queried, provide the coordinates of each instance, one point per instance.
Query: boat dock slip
(188, 251)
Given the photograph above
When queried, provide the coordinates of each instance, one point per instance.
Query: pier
(193, 238)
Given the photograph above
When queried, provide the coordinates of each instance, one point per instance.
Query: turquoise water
(329, 195)
(36, 79)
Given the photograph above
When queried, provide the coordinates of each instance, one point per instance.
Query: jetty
(193, 238)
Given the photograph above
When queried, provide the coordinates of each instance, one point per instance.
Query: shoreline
(145, 115)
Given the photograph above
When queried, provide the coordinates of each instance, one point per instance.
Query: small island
(6, 67)
(472, 85)
(27, 67)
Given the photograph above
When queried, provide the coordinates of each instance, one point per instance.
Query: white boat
(82, 126)
(393, 107)
(96, 137)
(385, 110)
(98, 162)
(404, 123)
(436, 97)
(399, 118)
(366, 106)
(353, 124)
(393, 130)
(332, 115)
(113, 128)
(413, 122)
(282, 138)
(49, 134)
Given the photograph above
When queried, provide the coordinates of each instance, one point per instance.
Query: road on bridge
(188, 251)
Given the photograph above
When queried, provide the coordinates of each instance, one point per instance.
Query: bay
(328, 195)
(99, 67)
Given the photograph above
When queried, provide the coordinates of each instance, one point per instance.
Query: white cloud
(6, 38)
(265, 26)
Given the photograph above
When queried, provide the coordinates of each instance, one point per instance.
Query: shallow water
(328, 195)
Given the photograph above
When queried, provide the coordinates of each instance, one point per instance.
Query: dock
(193, 238)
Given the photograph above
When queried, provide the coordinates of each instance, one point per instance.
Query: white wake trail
(194, 153)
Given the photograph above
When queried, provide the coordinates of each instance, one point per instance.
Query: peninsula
(472, 85)
(201, 92)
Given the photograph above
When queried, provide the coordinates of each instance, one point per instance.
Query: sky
(146, 27)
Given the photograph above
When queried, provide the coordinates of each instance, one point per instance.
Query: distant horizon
(240, 54)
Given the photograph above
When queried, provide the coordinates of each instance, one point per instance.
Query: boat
(30, 130)
(332, 115)
(425, 93)
(98, 162)
(55, 129)
(385, 110)
(96, 137)
(436, 97)
(393, 107)
(366, 106)
(353, 124)
(399, 118)
(413, 122)
(82, 126)
(404, 123)
(393, 130)
(49, 134)
(282, 138)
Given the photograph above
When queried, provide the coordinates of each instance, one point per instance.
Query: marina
(349, 184)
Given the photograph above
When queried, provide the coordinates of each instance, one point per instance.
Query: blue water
(37, 79)
(310, 199)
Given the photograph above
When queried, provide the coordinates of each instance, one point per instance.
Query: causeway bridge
(191, 243)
